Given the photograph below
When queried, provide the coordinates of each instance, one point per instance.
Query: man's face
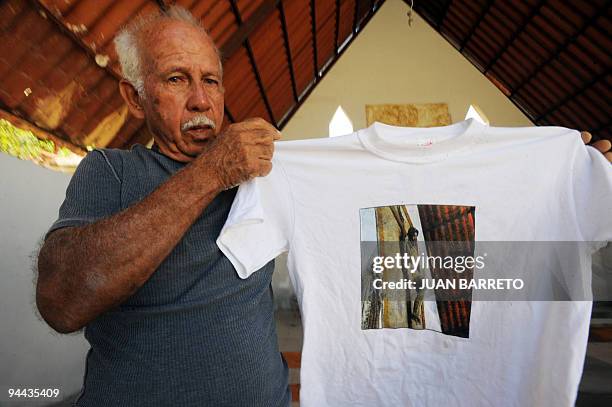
(182, 81)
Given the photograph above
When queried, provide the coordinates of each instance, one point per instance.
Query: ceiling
(59, 68)
(551, 58)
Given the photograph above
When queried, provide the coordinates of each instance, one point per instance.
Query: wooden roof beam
(76, 39)
(247, 27)
(251, 55)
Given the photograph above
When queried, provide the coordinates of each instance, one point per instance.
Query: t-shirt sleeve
(94, 192)
(259, 226)
(592, 187)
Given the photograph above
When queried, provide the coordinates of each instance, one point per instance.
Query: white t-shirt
(324, 198)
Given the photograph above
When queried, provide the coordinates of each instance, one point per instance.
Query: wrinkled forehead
(175, 44)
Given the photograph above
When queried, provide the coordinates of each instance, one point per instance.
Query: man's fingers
(257, 130)
(586, 137)
(262, 138)
(266, 137)
(265, 167)
(602, 145)
(265, 152)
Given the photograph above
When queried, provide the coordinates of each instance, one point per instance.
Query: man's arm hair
(84, 271)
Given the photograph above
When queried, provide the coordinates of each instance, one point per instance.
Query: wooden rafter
(75, 38)
(247, 27)
(251, 55)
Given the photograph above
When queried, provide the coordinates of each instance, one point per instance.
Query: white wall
(31, 354)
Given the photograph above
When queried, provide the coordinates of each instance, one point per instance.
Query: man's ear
(130, 95)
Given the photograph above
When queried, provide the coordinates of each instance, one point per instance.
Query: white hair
(127, 42)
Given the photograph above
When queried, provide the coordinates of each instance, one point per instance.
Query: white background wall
(31, 354)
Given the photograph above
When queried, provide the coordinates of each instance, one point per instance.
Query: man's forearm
(84, 271)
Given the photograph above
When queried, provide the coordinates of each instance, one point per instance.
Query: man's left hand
(603, 146)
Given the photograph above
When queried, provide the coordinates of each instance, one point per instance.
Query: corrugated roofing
(60, 69)
(550, 57)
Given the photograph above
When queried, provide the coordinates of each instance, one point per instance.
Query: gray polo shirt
(194, 334)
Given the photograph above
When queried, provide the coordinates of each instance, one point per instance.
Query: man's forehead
(175, 43)
(185, 59)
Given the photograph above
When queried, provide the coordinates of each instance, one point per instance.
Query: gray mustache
(198, 121)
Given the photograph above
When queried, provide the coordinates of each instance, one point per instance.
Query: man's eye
(174, 79)
(211, 81)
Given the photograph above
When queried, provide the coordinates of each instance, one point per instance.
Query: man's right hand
(242, 151)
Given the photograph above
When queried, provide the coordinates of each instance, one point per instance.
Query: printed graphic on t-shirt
(411, 255)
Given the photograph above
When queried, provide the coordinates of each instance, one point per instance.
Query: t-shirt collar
(417, 144)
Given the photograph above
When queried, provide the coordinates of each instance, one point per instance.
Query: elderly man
(133, 257)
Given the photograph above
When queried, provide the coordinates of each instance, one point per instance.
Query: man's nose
(199, 100)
